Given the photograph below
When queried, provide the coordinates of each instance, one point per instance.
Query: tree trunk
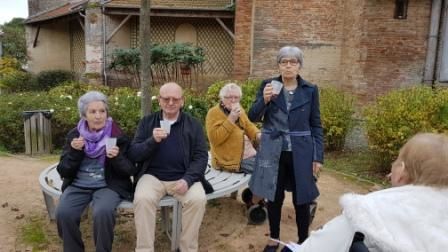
(145, 52)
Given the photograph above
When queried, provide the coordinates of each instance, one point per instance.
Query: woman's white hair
(91, 96)
(226, 89)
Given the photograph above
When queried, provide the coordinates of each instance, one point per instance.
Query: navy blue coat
(304, 115)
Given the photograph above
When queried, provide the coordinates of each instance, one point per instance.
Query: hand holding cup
(276, 87)
(235, 112)
(111, 147)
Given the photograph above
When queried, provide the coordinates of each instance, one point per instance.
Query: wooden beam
(118, 28)
(81, 23)
(36, 36)
(166, 13)
(225, 28)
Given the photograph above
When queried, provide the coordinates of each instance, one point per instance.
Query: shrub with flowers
(402, 113)
(11, 120)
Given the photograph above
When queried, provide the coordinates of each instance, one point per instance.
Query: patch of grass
(33, 234)
(3, 151)
(359, 164)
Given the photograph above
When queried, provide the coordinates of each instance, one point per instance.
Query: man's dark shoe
(270, 248)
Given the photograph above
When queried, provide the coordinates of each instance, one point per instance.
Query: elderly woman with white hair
(230, 132)
(290, 154)
(93, 174)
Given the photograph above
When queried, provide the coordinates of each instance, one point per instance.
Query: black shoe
(270, 248)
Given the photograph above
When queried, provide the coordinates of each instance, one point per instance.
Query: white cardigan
(405, 218)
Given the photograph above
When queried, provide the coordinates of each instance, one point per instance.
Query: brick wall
(396, 49)
(353, 44)
(354, 53)
(243, 33)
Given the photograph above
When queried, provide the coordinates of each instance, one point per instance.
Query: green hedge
(336, 108)
(49, 79)
(11, 120)
(400, 114)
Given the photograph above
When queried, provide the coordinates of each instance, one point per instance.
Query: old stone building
(81, 35)
(366, 46)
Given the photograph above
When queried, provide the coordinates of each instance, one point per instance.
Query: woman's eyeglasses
(292, 62)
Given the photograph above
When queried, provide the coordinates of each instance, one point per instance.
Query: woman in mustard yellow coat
(230, 132)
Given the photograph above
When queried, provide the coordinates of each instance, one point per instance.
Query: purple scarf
(95, 142)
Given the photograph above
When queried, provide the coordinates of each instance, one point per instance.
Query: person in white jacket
(410, 216)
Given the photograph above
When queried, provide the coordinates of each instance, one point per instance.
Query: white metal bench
(224, 183)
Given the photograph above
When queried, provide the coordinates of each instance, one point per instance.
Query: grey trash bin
(37, 130)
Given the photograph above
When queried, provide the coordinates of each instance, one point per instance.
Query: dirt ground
(224, 228)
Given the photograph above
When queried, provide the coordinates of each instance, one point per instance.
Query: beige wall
(121, 39)
(52, 49)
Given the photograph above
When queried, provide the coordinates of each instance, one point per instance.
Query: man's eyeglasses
(292, 62)
(170, 99)
(230, 97)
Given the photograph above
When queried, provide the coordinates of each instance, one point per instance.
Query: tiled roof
(60, 11)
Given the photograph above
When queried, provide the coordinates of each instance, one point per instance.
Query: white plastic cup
(165, 125)
(276, 87)
(110, 142)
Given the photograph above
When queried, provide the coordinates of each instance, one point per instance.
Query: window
(401, 9)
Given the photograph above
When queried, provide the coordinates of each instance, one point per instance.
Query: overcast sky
(10, 9)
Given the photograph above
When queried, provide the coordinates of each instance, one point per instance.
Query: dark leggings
(286, 177)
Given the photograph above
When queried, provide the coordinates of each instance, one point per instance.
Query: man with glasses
(171, 162)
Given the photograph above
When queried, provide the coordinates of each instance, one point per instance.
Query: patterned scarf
(95, 142)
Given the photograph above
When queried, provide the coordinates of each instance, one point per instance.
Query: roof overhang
(58, 12)
(130, 9)
(170, 12)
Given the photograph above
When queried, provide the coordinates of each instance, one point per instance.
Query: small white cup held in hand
(276, 87)
(165, 125)
(236, 106)
(110, 142)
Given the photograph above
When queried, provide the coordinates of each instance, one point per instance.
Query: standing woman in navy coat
(291, 148)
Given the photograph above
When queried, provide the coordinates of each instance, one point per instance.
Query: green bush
(400, 114)
(124, 106)
(195, 105)
(17, 81)
(46, 80)
(8, 65)
(336, 108)
(11, 121)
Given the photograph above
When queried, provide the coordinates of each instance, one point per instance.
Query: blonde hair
(425, 158)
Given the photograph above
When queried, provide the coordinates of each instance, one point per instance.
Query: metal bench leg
(51, 206)
(176, 226)
(166, 221)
